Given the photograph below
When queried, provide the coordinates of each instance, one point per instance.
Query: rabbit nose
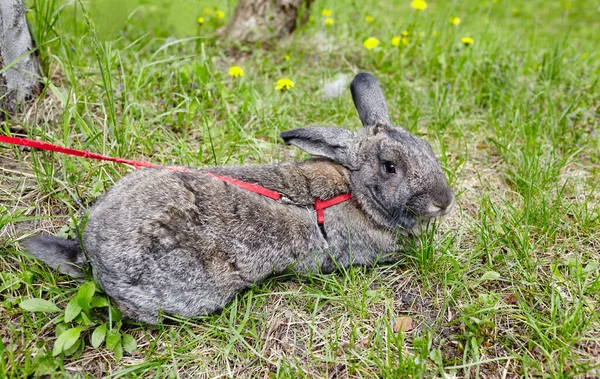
(442, 202)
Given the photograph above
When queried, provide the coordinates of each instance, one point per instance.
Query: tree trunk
(19, 82)
(262, 20)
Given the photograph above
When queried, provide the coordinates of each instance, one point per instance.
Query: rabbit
(185, 242)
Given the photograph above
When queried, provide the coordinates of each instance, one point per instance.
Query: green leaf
(38, 305)
(129, 343)
(85, 294)
(79, 344)
(60, 328)
(489, 275)
(98, 336)
(112, 339)
(9, 281)
(118, 350)
(66, 340)
(436, 356)
(115, 314)
(73, 309)
(99, 302)
(590, 267)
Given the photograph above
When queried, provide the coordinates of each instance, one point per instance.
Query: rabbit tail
(62, 254)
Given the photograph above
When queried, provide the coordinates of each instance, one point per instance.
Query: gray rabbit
(185, 242)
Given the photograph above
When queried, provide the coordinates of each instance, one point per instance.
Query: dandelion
(219, 14)
(284, 84)
(405, 33)
(236, 71)
(326, 13)
(369, 19)
(287, 58)
(397, 40)
(467, 41)
(329, 21)
(208, 11)
(371, 43)
(200, 20)
(419, 5)
(455, 21)
(585, 55)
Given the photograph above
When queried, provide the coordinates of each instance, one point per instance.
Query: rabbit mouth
(422, 224)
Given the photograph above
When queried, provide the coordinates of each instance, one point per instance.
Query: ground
(507, 287)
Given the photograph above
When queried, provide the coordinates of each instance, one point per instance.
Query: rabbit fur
(185, 242)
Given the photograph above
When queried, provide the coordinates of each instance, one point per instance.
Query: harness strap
(248, 186)
(320, 205)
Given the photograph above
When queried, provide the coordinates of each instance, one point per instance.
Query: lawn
(507, 286)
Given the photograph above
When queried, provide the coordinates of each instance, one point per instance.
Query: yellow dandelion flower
(284, 84)
(287, 58)
(467, 41)
(329, 21)
(236, 71)
(455, 21)
(200, 20)
(371, 43)
(220, 14)
(326, 13)
(419, 5)
(405, 33)
(208, 11)
(397, 40)
(585, 56)
(369, 19)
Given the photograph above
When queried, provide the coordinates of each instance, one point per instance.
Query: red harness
(319, 205)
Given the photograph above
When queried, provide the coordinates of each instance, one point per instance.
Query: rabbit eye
(390, 168)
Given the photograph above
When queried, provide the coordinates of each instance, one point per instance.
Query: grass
(509, 285)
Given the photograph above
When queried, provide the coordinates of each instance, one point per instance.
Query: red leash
(319, 205)
(77, 153)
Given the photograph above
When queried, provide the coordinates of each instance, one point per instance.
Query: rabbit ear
(336, 144)
(369, 100)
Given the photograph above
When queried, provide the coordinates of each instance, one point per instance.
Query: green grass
(508, 286)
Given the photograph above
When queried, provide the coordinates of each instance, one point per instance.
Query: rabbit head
(394, 175)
